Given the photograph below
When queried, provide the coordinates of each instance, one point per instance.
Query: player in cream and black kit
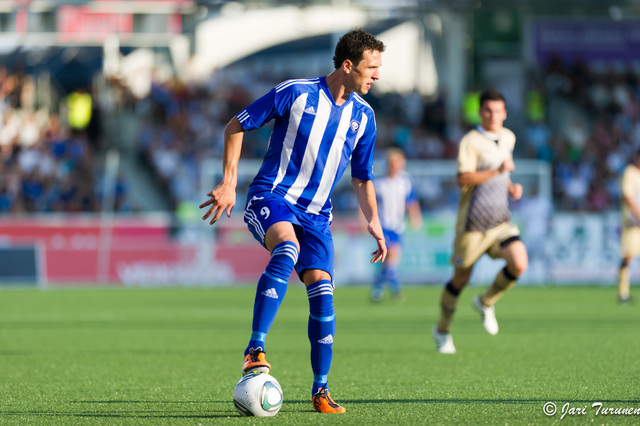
(630, 233)
(483, 224)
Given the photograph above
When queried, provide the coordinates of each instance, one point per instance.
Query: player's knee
(310, 276)
(459, 281)
(518, 267)
(625, 262)
(462, 274)
(279, 233)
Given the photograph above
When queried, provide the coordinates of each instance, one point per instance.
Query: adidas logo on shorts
(270, 293)
(327, 340)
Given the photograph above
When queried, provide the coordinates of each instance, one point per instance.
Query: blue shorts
(312, 231)
(391, 238)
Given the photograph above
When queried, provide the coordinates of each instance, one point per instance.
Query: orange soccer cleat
(323, 403)
(255, 362)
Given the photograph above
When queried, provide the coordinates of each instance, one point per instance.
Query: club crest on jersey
(354, 126)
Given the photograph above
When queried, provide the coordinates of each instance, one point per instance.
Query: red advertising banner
(81, 24)
(134, 251)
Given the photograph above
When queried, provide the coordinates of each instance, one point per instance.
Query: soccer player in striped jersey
(630, 233)
(483, 225)
(320, 126)
(396, 199)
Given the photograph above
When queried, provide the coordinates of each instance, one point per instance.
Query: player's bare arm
(415, 215)
(366, 195)
(223, 197)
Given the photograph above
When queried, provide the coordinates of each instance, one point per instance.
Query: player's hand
(516, 191)
(222, 197)
(507, 166)
(381, 253)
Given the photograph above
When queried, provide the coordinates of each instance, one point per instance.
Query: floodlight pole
(106, 214)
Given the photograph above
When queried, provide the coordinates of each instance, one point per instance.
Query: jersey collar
(325, 87)
(493, 136)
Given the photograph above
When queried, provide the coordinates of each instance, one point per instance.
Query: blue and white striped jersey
(393, 194)
(312, 142)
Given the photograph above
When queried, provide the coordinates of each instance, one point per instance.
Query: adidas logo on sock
(310, 110)
(327, 340)
(270, 293)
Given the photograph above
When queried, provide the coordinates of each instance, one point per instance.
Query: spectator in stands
(43, 167)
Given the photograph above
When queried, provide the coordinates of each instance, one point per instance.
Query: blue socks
(322, 326)
(381, 278)
(271, 289)
(391, 274)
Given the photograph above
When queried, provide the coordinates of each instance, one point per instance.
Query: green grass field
(173, 356)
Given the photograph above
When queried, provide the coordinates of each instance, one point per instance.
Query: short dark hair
(491, 95)
(352, 46)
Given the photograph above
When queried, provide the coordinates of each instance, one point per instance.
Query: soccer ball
(258, 394)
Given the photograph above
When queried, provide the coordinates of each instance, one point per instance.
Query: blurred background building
(119, 106)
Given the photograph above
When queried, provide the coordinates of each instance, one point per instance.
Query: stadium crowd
(591, 131)
(584, 120)
(48, 160)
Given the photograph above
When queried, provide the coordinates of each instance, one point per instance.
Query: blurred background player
(321, 124)
(483, 225)
(630, 238)
(396, 198)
